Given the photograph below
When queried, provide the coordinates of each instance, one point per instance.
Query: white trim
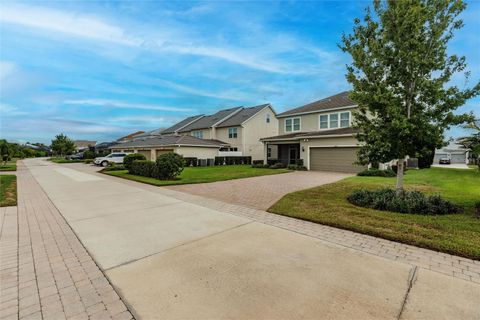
(328, 146)
(339, 120)
(173, 145)
(309, 137)
(293, 125)
(317, 111)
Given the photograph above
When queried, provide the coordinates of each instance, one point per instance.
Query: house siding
(256, 128)
(197, 152)
(222, 135)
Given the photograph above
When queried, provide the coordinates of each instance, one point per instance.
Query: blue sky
(99, 70)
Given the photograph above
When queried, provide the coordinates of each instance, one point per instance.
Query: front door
(292, 155)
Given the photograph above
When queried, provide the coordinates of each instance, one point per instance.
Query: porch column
(153, 154)
(265, 152)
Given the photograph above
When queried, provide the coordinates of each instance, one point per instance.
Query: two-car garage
(337, 159)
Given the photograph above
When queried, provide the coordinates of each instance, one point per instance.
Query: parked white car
(116, 158)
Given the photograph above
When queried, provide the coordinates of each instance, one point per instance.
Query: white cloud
(7, 68)
(124, 105)
(147, 120)
(171, 40)
(64, 22)
(9, 110)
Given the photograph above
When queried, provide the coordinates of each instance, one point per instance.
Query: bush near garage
(143, 168)
(377, 173)
(130, 158)
(278, 165)
(409, 202)
(169, 166)
(296, 167)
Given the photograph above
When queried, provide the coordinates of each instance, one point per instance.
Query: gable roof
(175, 140)
(338, 101)
(84, 143)
(182, 124)
(208, 121)
(242, 116)
(303, 135)
(130, 136)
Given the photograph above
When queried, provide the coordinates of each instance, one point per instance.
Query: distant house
(453, 151)
(184, 145)
(82, 145)
(238, 129)
(104, 148)
(130, 136)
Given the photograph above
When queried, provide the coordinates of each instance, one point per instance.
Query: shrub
(257, 162)
(88, 154)
(87, 161)
(169, 166)
(477, 209)
(114, 168)
(191, 161)
(143, 168)
(296, 167)
(278, 165)
(377, 173)
(408, 202)
(232, 160)
(130, 158)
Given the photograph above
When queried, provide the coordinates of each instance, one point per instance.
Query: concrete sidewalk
(175, 259)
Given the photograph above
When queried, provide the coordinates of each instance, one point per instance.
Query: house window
(267, 119)
(334, 120)
(292, 124)
(198, 134)
(269, 152)
(232, 133)
(324, 121)
(344, 119)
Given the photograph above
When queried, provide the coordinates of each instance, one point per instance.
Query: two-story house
(238, 129)
(319, 133)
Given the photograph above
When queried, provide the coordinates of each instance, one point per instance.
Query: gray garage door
(334, 159)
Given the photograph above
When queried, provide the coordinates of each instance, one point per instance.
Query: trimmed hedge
(167, 167)
(130, 158)
(257, 162)
(377, 173)
(278, 165)
(409, 202)
(297, 167)
(191, 161)
(145, 168)
(232, 160)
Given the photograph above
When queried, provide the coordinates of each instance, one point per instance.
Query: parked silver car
(116, 158)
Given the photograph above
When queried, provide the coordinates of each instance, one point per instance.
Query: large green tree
(400, 74)
(62, 145)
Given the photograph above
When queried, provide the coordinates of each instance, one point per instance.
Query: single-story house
(453, 151)
(184, 145)
(319, 134)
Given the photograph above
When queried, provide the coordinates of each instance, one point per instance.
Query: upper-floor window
(335, 120)
(267, 118)
(197, 134)
(232, 133)
(292, 124)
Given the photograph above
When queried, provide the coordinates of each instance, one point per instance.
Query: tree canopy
(62, 145)
(401, 75)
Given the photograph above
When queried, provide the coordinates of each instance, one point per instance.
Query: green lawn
(457, 234)
(9, 166)
(202, 174)
(8, 190)
(63, 160)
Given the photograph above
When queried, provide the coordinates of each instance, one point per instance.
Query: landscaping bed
(63, 160)
(457, 234)
(192, 175)
(11, 165)
(8, 190)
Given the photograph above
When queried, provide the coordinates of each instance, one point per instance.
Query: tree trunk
(399, 186)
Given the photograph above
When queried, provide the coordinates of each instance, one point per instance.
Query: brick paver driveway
(260, 192)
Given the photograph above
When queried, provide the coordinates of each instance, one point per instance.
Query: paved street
(175, 255)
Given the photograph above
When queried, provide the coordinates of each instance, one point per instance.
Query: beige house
(185, 145)
(238, 129)
(319, 133)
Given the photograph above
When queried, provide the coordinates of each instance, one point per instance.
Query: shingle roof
(339, 100)
(240, 117)
(300, 135)
(182, 123)
(162, 141)
(130, 136)
(84, 143)
(208, 121)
